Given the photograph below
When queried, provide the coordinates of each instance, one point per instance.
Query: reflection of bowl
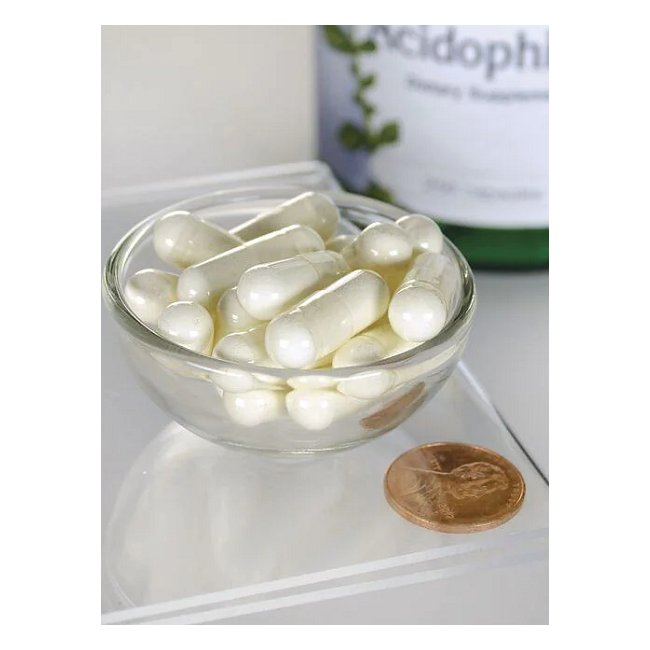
(194, 518)
(213, 398)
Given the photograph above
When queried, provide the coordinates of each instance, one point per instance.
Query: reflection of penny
(454, 487)
(393, 411)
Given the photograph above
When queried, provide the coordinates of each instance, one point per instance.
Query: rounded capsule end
(310, 408)
(192, 287)
(260, 292)
(290, 343)
(424, 232)
(306, 240)
(383, 244)
(234, 347)
(327, 214)
(187, 324)
(417, 314)
(255, 407)
(166, 232)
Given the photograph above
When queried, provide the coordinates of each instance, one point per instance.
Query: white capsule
(189, 325)
(327, 319)
(268, 289)
(248, 347)
(424, 232)
(205, 283)
(269, 381)
(232, 316)
(317, 409)
(235, 380)
(392, 273)
(243, 347)
(368, 384)
(372, 384)
(309, 209)
(369, 254)
(375, 343)
(338, 243)
(182, 240)
(312, 381)
(148, 292)
(419, 308)
(255, 407)
(349, 254)
(383, 244)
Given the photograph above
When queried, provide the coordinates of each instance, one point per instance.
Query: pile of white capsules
(281, 291)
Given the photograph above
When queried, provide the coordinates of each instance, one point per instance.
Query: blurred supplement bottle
(449, 121)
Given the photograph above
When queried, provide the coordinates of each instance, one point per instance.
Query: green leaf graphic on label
(376, 191)
(351, 136)
(389, 133)
(364, 136)
(367, 46)
(339, 39)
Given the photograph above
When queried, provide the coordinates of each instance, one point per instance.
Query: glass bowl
(244, 405)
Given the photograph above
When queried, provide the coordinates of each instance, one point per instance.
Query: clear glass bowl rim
(116, 263)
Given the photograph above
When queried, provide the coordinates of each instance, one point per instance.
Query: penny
(454, 487)
(393, 413)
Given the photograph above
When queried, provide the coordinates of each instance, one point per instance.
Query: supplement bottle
(447, 121)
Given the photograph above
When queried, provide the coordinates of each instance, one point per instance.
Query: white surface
(503, 597)
(508, 353)
(203, 533)
(181, 101)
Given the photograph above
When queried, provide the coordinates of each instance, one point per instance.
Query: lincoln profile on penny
(469, 481)
(454, 487)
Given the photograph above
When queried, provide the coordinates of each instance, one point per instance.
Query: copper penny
(393, 413)
(454, 487)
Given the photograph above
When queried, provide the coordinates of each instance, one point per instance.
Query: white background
(192, 100)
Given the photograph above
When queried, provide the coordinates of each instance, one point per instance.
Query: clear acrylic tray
(196, 533)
